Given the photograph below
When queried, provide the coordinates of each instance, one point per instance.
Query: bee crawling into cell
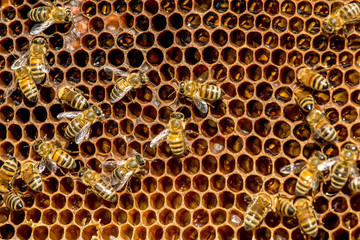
(321, 126)
(312, 78)
(199, 91)
(174, 134)
(80, 125)
(73, 97)
(124, 170)
(51, 13)
(311, 174)
(126, 82)
(53, 156)
(348, 14)
(257, 211)
(98, 183)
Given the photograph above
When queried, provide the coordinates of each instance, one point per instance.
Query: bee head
(181, 87)
(327, 25)
(177, 115)
(37, 145)
(82, 171)
(140, 160)
(68, 16)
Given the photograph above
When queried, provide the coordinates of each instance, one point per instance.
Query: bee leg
(128, 187)
(189, 132)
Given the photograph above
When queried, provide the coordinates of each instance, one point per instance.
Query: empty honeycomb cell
(116, 57)
(58, 201)
(73, 75)
(182, 183)
(262, 127)
(264, 165)
(7, 148)
(75, 201)
(289, 186)
(134, 217)
(149, 184)
(340, 96)
(103, 146)
(337, 43)
(209, 164)
(352, 78)
(81, 58)
(89, 41)
(15, 132)
(218, 216)
(340, 233)
(236, 108)
(87, 149)
(6, 114)
(253, 183)
(17, 217)
(290, 222)
(245, 163)
(51, 185)
(201, 183)
(41, 232)
(246, 90)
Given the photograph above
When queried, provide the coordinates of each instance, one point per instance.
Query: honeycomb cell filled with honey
(252, 50)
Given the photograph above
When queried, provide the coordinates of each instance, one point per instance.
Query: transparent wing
(315, 181)
(110, 164)
(39, 27)
(203, 77)
(123, 181)
(42, 165)
(201, 105)
(292, 167)
(45, 67)
(327, 164)
(84, 134)
(354, 172)
(122, 94)
(49, 3)
(105, 178)
(10, 89)
(71, 114)
(161, 136)
(51, 165)
(117, 72)
(20, 62)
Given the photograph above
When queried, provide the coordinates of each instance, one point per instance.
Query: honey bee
(354, 184)
(125, 170)
(344, 167)
(312, 79)
(31, 176)
(13, 201)
(8, 172)
(72, 97)
(99, 184)
(198, 91)
(26, 84)
(257, 211)
(310, 176)
(304, 99)
(49, 14)
(284, 206)
(174, 134)
(306, 216)
(52, 155)
(125, 83)
(321, 126)
(36, 58)
(79, 126)
(345, 15)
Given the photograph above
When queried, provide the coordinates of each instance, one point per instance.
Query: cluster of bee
(31, 69)
(343, 167)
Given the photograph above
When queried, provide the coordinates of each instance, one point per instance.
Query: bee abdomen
(29, 89)
(39, 14)
(350, 11)
(8, 170)
(339, 177)
(252, 220)
(36, 184)
(79, 102)
(306, 103)
(309, 225)
(105, 191)
(301, 188)
(73, 128)
(63, 159)
(116, 91)
(211, 92)
(13, 201)
(176, 144)
(327, 131)
(36, 72)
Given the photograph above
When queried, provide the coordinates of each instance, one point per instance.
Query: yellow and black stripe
(39, 14)
(28, 87)
(8, 169)
(117, 89)
(254, 216)
(74, 127)
(350, 11)
(303, 184)
(339, 175)
(37, 73)
(62, 158)
(304, 99)
(105, 191)
(176, 143)
(210, 92)
(327, 131)
(13, 201)
(308, 223)
(285, 207)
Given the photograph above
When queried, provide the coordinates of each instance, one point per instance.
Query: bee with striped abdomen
(174, 134)
(347, 14)
(49, 14)
(257, 211)
(73, 97)
(306, 216)
(199, 92)
(79, 127)
(125, 82)
(52, 156)
(312, 79)
(13, 201)
(26, 84)
(304, 99)
(344, 167)
(8, 172)
(321, 126)
(284, 206)
(125, 170)
(35, 58)
(31, 176)
(354, 184)
(98, 183)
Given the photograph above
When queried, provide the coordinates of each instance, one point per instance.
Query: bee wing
(109, 166)
(203, 77)
(10, 89)
(51, 165)
(84, 134)
(42, 166)
(354, 173)
(45, 66)
(122, 94)
(49, 3)
(201, 105)
(117, 72)
(292, 168)
(71, 114)
(123, 181)
(39, 27)
(20, 62)
(161, 136)
(327, 164)
(315, 181)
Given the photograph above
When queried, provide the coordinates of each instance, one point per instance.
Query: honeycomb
(252, 48)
